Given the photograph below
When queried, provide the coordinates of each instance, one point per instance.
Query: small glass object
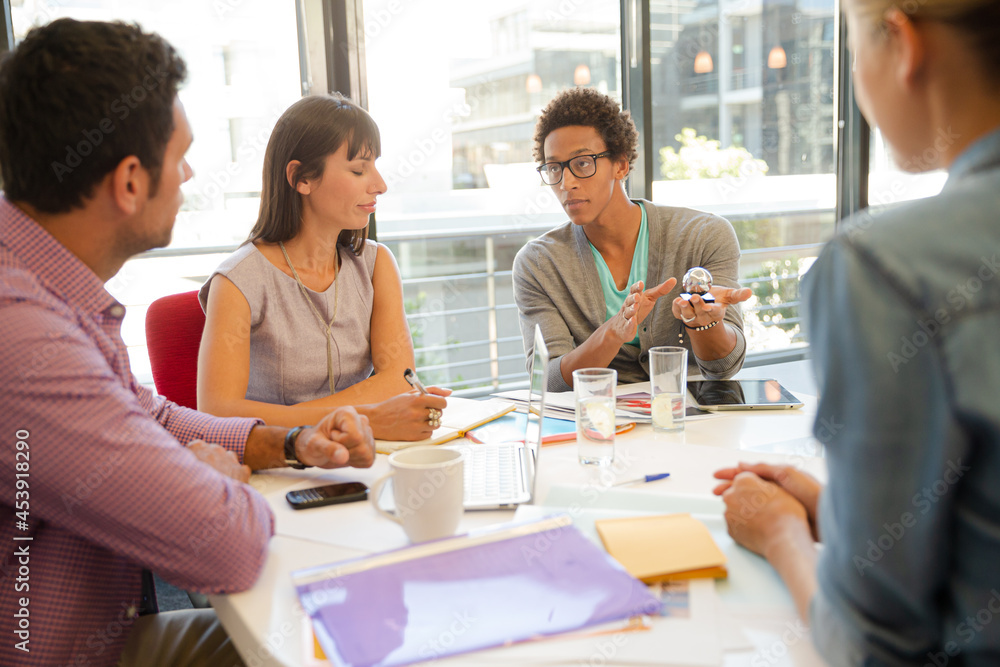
(697, 281)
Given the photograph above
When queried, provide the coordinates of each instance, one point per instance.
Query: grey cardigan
(556, 285)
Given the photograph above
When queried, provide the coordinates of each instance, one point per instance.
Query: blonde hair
(977, 20)
(940, 10)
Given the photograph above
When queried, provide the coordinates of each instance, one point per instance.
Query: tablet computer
(742, 395)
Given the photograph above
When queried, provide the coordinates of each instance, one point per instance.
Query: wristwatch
(291, 460)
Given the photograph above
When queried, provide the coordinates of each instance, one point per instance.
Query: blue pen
(643, 480)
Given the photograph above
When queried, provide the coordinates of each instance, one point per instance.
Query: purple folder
(466, 593)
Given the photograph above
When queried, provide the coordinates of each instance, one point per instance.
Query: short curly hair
(590, 108)
(77, 98)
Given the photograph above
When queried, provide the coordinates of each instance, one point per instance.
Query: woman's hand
(407, 416)
(800, 485)
(697, 312)
(761, 515)
(637, 307)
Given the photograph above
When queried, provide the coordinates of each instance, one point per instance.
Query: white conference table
(268, 626)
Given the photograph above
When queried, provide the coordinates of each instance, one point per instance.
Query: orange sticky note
(663, 548)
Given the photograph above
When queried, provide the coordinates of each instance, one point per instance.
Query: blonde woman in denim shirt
(904, 318)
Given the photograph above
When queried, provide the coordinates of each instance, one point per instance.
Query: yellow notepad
(461, 415)
(663, 548)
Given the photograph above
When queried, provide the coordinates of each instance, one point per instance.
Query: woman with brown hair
(903, 313)
(308, 314)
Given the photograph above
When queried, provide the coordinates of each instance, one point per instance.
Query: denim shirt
(904, 316)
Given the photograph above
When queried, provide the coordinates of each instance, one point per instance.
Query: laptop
(502, 475)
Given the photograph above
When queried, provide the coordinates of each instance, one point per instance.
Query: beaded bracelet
(707, 326)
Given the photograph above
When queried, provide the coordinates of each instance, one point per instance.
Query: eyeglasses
(581, 166)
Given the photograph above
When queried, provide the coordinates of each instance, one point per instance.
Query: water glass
(594, 389)
(668, 387)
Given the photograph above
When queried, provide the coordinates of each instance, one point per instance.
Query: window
(743, 119)
(742, 97)
(243, 71)
(889, 185)
(457, 117)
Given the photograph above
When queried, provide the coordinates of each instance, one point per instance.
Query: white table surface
(267, 624)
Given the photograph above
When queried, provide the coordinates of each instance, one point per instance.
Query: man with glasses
(585, 282)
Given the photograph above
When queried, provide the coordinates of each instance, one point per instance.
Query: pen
(643, 480)
(414, 381)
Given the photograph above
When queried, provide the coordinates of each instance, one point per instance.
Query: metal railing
(497, 379)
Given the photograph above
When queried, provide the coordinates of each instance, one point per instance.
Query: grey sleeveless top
(287, 345)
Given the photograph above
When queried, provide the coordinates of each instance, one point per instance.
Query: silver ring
(687, 319)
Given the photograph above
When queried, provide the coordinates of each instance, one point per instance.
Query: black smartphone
(331, 494)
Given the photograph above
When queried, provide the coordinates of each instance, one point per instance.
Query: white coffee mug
(428, 487)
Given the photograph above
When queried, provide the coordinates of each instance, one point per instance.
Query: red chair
(173, 335)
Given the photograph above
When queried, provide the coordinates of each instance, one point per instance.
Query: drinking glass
(668, 387)
(594, 389)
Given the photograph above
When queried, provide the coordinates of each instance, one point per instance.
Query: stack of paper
(461, 415)
(562, 405)
(663, 548)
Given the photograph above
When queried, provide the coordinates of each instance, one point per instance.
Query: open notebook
(460, 416)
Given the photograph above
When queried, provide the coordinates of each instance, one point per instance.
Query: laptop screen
(538, 377)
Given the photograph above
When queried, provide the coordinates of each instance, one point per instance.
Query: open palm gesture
(637, 307)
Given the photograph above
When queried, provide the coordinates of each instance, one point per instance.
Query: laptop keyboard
(492, 473)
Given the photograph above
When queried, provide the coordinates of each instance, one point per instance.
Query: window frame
(7, 31)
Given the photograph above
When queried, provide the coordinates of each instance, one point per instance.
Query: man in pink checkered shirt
(99, 477)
